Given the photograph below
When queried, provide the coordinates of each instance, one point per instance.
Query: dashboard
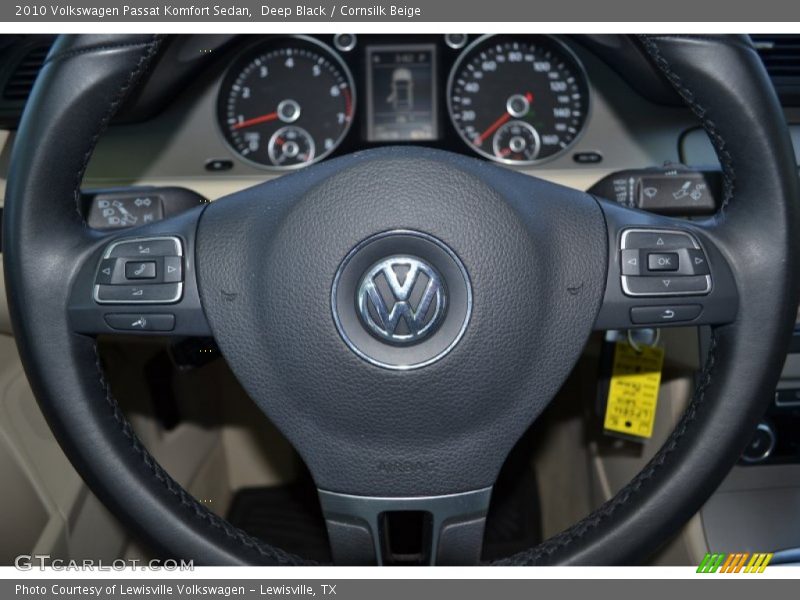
(219, 112)
(289, 101)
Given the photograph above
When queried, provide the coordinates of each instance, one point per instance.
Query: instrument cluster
(289, 101)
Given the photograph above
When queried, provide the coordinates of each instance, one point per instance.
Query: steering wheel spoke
(663, 272)
(440, 530)
(141, 282)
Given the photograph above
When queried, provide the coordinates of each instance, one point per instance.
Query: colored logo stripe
(735, 562)
(710, 563)
(758, 563)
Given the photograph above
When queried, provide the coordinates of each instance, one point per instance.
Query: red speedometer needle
(491, 129)
(494, 126)
(256, 120)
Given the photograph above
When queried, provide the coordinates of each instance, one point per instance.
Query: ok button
(662, 261)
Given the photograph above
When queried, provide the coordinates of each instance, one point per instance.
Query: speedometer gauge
(286, 103)
(518, 100)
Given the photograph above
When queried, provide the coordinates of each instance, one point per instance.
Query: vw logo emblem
(401, 299)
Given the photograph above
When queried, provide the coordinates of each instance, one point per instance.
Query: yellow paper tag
(633, 391)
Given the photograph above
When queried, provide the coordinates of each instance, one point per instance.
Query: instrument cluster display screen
(401, 93)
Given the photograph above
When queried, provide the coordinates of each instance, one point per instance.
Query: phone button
(140, 269)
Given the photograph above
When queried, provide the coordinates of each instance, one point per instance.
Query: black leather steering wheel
(515, 273)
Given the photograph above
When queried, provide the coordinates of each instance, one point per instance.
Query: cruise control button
(173, 269)
(140, 270)
(140, 322)
(131, 294)
(665, 286)
(146, 248)
(657, 240)
(662, 261)
(664, 314)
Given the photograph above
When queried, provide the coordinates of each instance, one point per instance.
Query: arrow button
(698, 261)
(663, 240)
(105, 272)
(173, 269)
(675, 286)
(631, 262)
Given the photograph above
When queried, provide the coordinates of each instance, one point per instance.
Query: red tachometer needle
(256, 120)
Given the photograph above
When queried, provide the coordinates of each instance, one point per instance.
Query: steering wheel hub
(401, 299)
(402, 306)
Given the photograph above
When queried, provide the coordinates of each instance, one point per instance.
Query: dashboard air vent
(19, 84)
(781, 57)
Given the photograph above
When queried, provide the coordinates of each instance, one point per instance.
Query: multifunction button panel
(140, 271)
(663, 263)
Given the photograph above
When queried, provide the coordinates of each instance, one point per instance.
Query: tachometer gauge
(518, 100)
(286, 103)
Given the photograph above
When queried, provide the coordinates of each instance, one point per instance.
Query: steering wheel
(402, 315)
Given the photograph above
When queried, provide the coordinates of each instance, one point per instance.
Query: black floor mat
(289, 517)
(514, 520)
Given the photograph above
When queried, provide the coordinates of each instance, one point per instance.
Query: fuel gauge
(290, 146)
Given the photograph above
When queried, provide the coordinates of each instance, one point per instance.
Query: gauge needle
(491, 129)
(498, 123)
(256, 120)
